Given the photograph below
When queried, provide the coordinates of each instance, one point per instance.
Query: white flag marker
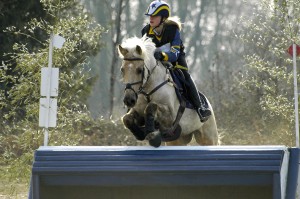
(58, 41)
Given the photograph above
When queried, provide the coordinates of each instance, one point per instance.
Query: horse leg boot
(202, 111)
(134, 123)
(152, 135)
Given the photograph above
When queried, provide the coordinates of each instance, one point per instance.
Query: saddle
(181, 89)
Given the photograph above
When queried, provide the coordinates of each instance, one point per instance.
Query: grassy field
(13, 191)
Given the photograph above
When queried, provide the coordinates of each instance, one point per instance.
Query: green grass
(12, 189)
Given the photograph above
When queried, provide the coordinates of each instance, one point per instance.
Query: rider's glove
(159, 55)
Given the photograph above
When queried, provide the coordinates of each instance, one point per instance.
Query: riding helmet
(158, 8)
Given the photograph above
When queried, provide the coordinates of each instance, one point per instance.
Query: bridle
(129, 85)
(147, 95)
(142, 86)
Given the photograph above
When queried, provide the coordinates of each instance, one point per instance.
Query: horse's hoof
(139, 137)
(155, 143)
(154, 138)
(137, 131)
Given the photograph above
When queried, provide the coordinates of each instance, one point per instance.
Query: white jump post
(296, 94)
(49, 88)
(46, 131)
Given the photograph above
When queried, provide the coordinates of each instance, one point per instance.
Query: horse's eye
(122, 71)
(139, 71)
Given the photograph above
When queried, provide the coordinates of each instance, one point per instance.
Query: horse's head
(134, 68)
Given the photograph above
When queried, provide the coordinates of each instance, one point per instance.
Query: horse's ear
(139, 50)
(122, 50)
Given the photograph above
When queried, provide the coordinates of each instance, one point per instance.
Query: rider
(165, 33)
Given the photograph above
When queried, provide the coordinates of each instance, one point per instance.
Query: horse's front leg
(152, 135)
(134, 122)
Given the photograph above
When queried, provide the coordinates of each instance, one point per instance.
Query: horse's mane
(146, 44)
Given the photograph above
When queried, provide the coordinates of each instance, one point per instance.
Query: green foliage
(20, 134)
(269, 68)
(82, 40)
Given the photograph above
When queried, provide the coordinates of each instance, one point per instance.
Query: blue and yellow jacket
(169, 40)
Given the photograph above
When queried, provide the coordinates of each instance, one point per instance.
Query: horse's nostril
(129, 101)
(132, 101)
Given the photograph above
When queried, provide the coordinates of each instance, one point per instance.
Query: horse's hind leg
(181, 141)
(133, 121)
(208, 133)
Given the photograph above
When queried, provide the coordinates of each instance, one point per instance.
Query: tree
(269, 75)
(20, 134)
(79, 31)
(27, 10)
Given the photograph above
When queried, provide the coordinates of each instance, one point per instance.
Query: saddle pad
(180, 89)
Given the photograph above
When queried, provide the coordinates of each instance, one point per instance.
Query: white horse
(155, 111)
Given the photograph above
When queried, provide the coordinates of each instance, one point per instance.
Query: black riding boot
(201, 110)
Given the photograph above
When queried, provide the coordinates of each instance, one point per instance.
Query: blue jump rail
(210, 171)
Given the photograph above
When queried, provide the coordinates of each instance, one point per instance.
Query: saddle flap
(180, 88)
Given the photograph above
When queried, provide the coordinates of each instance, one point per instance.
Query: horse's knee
(130, 122)
(133, 118)
(127, 120)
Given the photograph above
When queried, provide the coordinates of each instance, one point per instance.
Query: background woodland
(236, 51)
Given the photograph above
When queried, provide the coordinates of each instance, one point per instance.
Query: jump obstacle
(208, 172)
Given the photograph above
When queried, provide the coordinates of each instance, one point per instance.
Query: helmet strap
(158, 29)
(162, 20)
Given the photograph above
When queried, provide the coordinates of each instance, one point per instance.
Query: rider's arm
(173, 54)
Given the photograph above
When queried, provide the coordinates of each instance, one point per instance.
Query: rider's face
(155, 21)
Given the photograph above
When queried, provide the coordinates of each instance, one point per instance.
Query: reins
(182, 104)
(147, 95)
(141, 88)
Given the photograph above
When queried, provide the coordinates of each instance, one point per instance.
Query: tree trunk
(115, 42)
